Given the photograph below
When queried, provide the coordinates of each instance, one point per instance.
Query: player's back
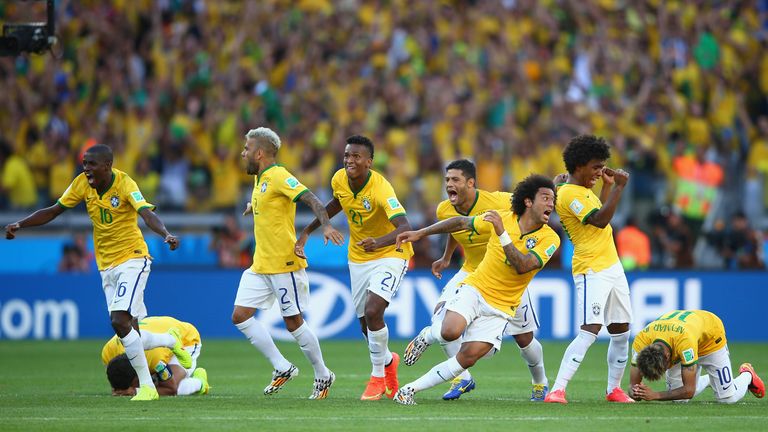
(473, 243)
(594, 248)
(680, 329)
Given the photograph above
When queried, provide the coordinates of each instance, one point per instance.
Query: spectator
(231, 244)
(75, 256)
(16, 181)
(672, 240)
(739, 245)
(634, 246)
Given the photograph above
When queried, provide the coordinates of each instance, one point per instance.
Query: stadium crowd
(677, 87)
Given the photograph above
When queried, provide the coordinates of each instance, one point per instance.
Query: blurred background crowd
(677, 87)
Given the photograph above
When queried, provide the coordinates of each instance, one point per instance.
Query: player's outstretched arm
(602, 217)
(445, 260)
(154, 222)
(332, 209)
(521, 263)
(322, 216)
(454, 224)
(401, 225)
(40, 217)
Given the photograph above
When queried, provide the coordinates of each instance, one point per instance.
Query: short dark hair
(103, 151)
(582, 149)
(120, 373)
(652, 362)
(466, 167)
(363, 141)
(528, 188)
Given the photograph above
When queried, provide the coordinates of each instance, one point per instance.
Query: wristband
(504, 239)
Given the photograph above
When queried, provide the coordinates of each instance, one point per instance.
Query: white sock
(441, 373)
(154, 340)
(533, 355)
(135, 352)
(260, 338)
(435, 334)
(741, 383)
(572, 358)
(451, 349)
(310, 346)
(701, 384)
(377, 346)
(189, 386)
(617, 359)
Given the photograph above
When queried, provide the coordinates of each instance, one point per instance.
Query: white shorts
(485, 323)
(381, 277)
(603, 297)
(259, 291)
(451, 288)
(194, 352)
(718, 367)
(124, 286)
(525, 319)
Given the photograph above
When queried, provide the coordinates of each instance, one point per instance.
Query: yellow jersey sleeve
(74, 193)
(578, 206)
(544, 247)
(130, 190)
(288, 185)
(386, 198)
(479, 226)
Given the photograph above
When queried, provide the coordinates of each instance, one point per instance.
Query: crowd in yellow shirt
(173, 90)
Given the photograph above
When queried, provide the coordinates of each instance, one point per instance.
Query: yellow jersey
(161, 324)
(116, 235)
(273, 200)
(594, 248)
(495, 278)
(689, 334)
(369, 212)
(473, 243)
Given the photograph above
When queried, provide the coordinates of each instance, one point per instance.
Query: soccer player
(464, 199)
(277, 272)
(602, 291)
(487, 300)
(376, 265)
(676, 345)
(172, 378)
(113, 200)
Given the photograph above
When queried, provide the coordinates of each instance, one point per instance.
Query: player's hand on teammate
(332, 234)
(560, 178)
(493, 217)
(248, 209)
(298, 248)
(369, 244)
(440, 265)
(407, 237)
(10, 230)
(173, 241)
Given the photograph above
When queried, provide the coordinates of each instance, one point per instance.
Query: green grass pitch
(62, 386)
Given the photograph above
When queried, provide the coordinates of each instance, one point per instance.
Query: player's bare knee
(523, 340)
(240, 316)
(592, 328)
(121, 326)
(616, 328)
(292, 323)
(374, 317)
(450, 334)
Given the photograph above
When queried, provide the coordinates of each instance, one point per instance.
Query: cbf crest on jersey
(530, 243)
(263, 187)
(115, 201)
(366, 203)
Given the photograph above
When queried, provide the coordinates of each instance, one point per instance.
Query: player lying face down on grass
(170, 377)
(488, 298)
(678, 345)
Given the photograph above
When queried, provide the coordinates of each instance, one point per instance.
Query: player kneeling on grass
(485, 303)
(676, 345)
(171, 378)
